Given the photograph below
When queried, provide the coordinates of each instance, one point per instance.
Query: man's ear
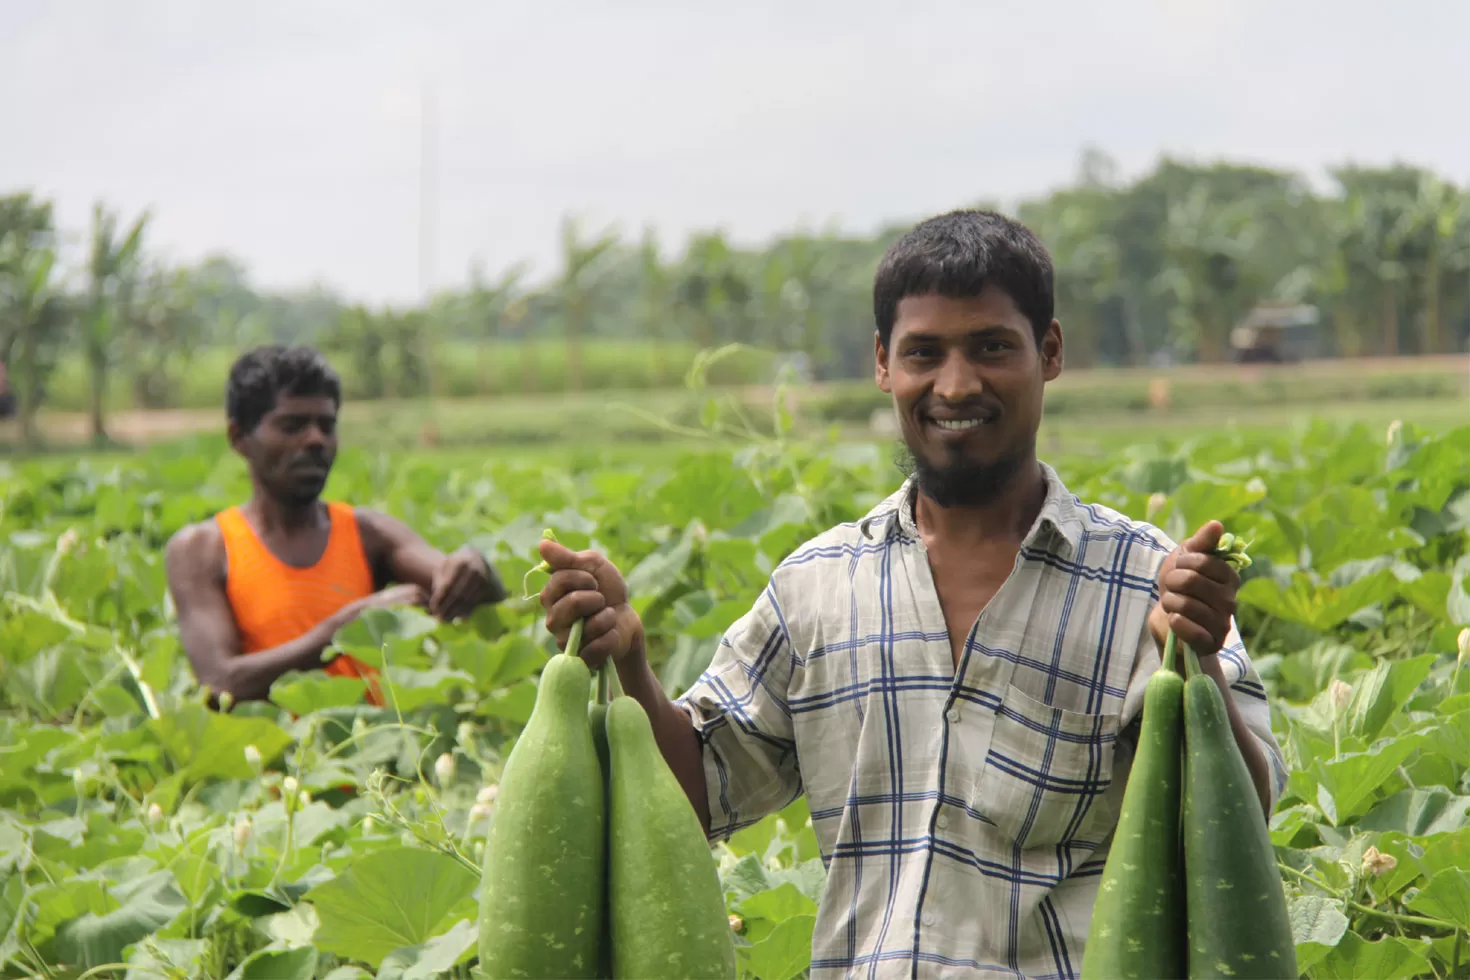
(235, 434)
(880, 364)
(1051, 351)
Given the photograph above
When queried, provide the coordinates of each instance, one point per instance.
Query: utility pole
(429, 341)
(427, 188)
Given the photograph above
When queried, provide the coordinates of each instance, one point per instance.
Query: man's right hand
(585, 585)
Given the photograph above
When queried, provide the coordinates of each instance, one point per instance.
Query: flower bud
(226, 702)
(1395, 428)
(155, 814)
(1377, 863)
(1463, 642)
(737, 924)
(1156, 502)
(304, 798)
(369, 824)
(465, 735)
(80, 781)
(1340, 693)
(253, 759)
(444, 769)
(243, 831)
(487, 794)
(479, 812)
(289, 786)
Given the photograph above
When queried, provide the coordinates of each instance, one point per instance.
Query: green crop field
(144, 835)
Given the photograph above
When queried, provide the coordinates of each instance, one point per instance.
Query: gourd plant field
(145, 835)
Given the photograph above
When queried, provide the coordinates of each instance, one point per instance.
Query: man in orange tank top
(262, 588)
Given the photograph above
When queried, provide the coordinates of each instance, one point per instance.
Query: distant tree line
(1167, 263)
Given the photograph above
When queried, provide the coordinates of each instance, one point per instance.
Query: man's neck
(272, 515)
(1007, 517)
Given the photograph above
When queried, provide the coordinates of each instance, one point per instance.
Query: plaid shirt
(962, 814)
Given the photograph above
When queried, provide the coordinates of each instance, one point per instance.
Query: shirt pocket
(1047, 773)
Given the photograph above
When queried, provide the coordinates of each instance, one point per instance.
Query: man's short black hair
(261, 375)
(955, 255)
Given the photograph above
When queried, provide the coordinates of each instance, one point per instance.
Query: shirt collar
(1059, 523)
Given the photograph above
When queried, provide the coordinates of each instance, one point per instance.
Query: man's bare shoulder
(195, 548)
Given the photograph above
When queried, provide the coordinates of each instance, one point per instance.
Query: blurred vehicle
(1277, 333)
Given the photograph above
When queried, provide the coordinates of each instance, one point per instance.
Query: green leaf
(433, 958)
(206, 744)
(1382, 692)
(1317, 925)
(1354, 778)
(1205, 498)
(302, 693)
(513, 704)
(511, 658)
(277, 964)
(786, 952)
(1419, 812)
(777, 904)
(745, 878)
(144, 906)
(409, 689)
(1447, 896)
(1389, 958)
(388, 900)
(662, 568)
(1319, 606)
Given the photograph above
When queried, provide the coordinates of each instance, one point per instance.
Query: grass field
(1084, 407)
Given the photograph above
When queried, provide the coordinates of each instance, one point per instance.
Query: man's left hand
(1196, 594)
(465, 580)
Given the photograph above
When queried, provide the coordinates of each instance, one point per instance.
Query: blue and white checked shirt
(963, 815)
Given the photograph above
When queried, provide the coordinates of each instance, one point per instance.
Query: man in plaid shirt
(954, 680)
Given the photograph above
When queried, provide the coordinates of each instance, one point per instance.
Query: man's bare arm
(455, 584)
(193, 559)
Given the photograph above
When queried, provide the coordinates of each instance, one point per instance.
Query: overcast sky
(287, 133)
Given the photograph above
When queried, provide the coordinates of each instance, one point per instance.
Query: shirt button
(942, 822)
(954, 716)
(928, 918)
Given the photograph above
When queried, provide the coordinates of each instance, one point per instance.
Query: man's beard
(962, 482)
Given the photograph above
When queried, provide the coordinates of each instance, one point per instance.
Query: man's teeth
(958, 424)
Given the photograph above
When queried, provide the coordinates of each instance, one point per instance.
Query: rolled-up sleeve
(739, 707)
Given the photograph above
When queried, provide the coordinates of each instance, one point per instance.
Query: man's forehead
(304, 405)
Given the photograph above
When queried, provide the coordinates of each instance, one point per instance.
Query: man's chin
(960, 482)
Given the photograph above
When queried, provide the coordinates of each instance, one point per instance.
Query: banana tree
(583, 263)
(112, 269)
(656, 290)
(1207, 271)
(489, 304)
(37, 317)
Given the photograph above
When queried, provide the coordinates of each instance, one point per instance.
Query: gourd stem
(1169, 644)
(574, 639)
(602, 684)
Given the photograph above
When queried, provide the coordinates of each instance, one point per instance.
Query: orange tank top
(274, 602)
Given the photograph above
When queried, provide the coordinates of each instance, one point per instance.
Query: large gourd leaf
(387, 901)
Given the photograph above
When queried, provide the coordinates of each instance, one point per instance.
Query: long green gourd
(1238, 922)
(666, 905)
(1137, 930)
(543, 885)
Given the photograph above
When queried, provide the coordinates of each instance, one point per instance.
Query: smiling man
(953, 680)
(262, 588)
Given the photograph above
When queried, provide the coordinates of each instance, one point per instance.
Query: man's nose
(957, 379)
